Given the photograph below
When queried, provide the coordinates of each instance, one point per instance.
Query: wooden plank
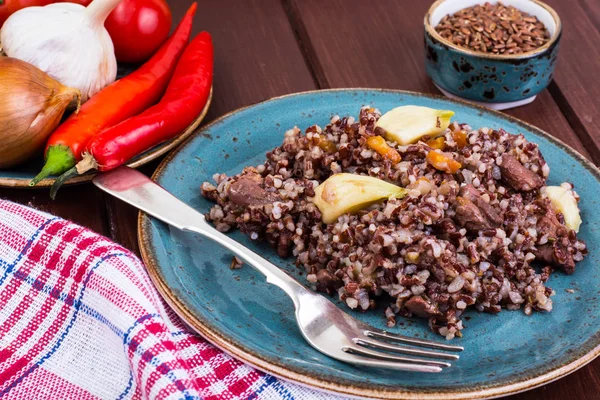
(380, 44)
(576, 87)
(77, 203)
(256, 57)
(592, 10)
(256, 53)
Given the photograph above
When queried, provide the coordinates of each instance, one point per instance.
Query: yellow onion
(31, 107)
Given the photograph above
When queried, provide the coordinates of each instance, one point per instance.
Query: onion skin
(31, 107)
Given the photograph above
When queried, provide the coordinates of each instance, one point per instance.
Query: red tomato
(138, 28)
(8, 7)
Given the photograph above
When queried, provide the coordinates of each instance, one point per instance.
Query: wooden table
(266, 48)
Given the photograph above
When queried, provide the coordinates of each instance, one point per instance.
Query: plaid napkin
(80, 319)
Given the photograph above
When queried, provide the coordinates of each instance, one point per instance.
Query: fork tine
(414, 341)
(376, 344)
(354, 356)
(389, 357)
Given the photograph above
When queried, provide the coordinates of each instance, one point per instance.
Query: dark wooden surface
(265, 48)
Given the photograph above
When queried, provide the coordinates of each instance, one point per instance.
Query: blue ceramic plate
(254, 321)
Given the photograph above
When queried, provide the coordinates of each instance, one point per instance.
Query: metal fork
(325, 326)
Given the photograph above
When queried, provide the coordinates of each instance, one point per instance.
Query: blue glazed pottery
(254, 321)
(497, 80)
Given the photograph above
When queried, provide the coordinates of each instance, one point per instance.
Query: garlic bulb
(67, 41)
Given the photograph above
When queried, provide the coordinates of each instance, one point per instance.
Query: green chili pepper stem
(61, 181)
(59, 159)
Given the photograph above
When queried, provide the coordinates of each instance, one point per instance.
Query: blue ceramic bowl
(498, 80)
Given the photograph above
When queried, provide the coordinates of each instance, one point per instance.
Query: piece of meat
(556, 254)
(473, 213)
(284, 244)
(517, 176)
(469, 192)
(544, 253)
(562, 256)
(421, 307)
(557, 251)
(327, 282)
(548, 223)
(247, 191)
(469, 216)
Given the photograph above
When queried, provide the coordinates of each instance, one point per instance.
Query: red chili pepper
(123, 99)
(183, 101)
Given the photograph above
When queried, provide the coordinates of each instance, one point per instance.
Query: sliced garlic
(564, 200)
(346, 193)
(407, 124)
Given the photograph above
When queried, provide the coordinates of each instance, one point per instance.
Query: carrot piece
(437, 143)
(443, 161)
(379, 144)
(327, 146)
(460, 137)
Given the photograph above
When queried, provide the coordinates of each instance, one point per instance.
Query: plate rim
(148, 156)
(215, 337)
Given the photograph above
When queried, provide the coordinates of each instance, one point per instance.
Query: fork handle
(137, 189)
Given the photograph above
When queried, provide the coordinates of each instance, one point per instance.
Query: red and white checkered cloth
(80, 319)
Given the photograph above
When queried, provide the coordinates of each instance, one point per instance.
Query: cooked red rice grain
(432, 258)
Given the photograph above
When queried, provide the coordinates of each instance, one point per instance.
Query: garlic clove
(347, 193)
(565, 202)
(407, 124)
